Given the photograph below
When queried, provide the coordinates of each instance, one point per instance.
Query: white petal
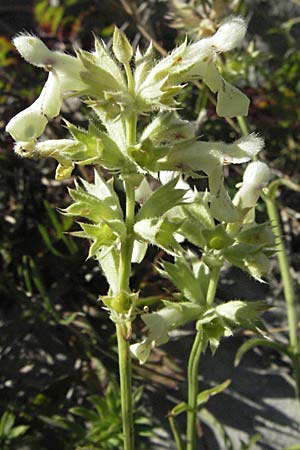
(27, 125)
(30, 124)
(256, 176)
(257, 172)
(33, 50)
(230, 34)
(231, 102)
(50, 99)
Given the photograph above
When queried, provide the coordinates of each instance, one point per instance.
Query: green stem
(193, 366)
(124, 328)
(125, 386)
(243, 125)
(212, 286)
(176, 433)
(193, 369)
(127, 245)
(288, 289)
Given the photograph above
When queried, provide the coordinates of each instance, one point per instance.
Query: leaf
(160, 232)
(184, 279)
(202, 397)
(6, 423)
(161, 201)
(18, 431)
(254, 342)
(199, 210)
(241, 313)
(87, 414)
(109, 262)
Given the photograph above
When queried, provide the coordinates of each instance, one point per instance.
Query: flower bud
(121, 47)
(256, 176)
(229, 35)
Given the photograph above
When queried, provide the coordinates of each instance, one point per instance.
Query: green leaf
(158, 232)
(161, 201)
(256, 234)
(241, 313)
(199, 210)
(87, 414)
(6, 423)
(18, 431)
(202, 397)
(184, 279)
(109, 262)
(255, 342)
(103, 58)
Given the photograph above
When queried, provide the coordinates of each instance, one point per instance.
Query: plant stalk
(124, 328)
(193, 366)
(288, 290)
(176, 434)
(125, 386)
(193, 369)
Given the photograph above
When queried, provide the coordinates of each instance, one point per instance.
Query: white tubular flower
(256, 176)
(31, 123)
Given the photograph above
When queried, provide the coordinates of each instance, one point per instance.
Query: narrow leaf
(255, 342)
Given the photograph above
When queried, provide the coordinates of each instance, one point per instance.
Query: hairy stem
(124, 328)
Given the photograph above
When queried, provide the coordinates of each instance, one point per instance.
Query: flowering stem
(288, 289)
(124, 329)
(193, 366)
